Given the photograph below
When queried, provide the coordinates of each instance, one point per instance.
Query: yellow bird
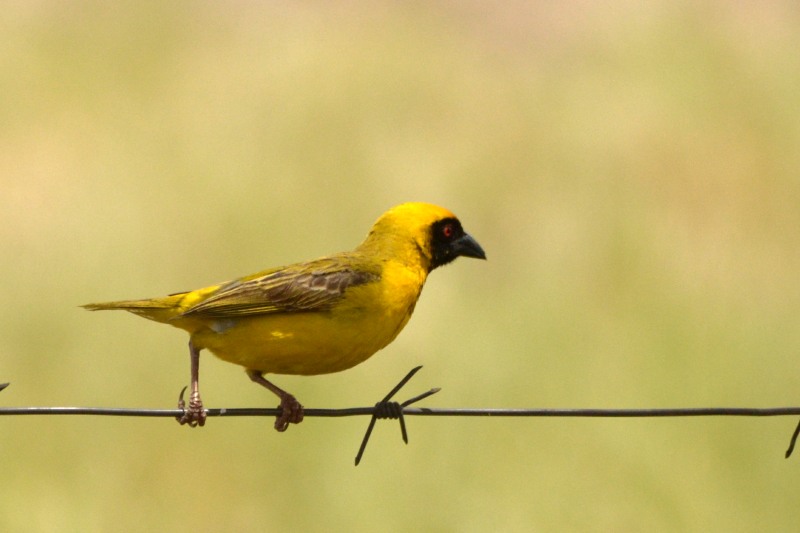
(316, 317)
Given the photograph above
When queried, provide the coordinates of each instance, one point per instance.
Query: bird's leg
(195, 415)
(292, 410)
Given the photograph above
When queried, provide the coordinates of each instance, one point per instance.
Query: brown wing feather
(314, 286)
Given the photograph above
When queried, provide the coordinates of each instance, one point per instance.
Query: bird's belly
(310, 343)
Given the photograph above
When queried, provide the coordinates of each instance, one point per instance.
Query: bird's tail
(158, 309)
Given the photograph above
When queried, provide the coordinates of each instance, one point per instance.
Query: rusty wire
(387, 409)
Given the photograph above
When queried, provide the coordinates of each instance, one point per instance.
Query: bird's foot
(195, 415)
(292, 413)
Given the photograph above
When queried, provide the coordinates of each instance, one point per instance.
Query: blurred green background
(630, 168)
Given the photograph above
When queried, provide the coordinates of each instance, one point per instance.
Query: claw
(195, 415)
(291, 410)
(292, 413)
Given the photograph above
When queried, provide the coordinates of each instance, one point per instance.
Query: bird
(316, 317)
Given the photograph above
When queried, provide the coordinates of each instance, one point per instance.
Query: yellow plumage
(315, 317)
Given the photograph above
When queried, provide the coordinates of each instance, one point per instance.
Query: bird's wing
(312, 286)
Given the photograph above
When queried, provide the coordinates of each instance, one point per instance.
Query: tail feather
(158, 309)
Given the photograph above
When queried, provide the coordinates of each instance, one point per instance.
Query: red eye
(448, 231)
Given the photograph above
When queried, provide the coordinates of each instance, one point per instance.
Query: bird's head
(430, 232)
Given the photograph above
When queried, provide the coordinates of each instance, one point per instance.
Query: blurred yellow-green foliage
(631, 168)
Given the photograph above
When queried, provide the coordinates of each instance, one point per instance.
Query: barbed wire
(387, 409)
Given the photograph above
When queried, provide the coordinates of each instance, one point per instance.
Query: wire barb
(392, 410)
(793, 441)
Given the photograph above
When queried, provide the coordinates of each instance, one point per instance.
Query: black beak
(468, 247)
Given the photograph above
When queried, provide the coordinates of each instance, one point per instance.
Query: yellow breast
(367, 318)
